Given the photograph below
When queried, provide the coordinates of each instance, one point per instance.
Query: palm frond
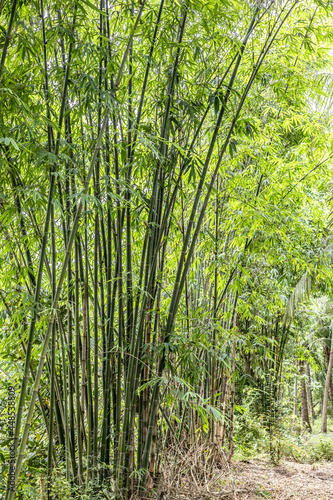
(300, 292)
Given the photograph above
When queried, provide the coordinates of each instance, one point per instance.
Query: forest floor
(203, 471)
(289, 480)
(255, 479)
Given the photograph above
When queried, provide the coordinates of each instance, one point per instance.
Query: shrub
(321, 450)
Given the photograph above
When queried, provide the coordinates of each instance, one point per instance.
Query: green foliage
(252, 440)
(251, 437)
(165, 177)
(305, 449)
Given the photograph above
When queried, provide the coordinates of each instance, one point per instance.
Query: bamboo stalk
(7, 37)
(182, 271)
(39, 275)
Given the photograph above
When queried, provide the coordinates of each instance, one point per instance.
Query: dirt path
(256, 479)
(290, 480)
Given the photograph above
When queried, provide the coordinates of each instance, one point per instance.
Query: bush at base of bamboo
(198, 469)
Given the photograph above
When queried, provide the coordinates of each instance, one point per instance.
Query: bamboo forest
(166, 249)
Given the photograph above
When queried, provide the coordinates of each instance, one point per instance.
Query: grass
(252, 441)
(314, 447)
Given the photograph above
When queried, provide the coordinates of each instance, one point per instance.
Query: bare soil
(254, 479)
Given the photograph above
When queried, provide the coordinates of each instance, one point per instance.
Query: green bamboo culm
(10, 493)
(40, 268)
(7, 37)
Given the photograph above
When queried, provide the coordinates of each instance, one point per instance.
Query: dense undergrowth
(291, 441)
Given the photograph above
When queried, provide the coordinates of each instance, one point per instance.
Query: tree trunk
(308, 375)
(226, 409)
(295, 397)
(304, 399)
(327, 388)
(232, 400)
(330, 392)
